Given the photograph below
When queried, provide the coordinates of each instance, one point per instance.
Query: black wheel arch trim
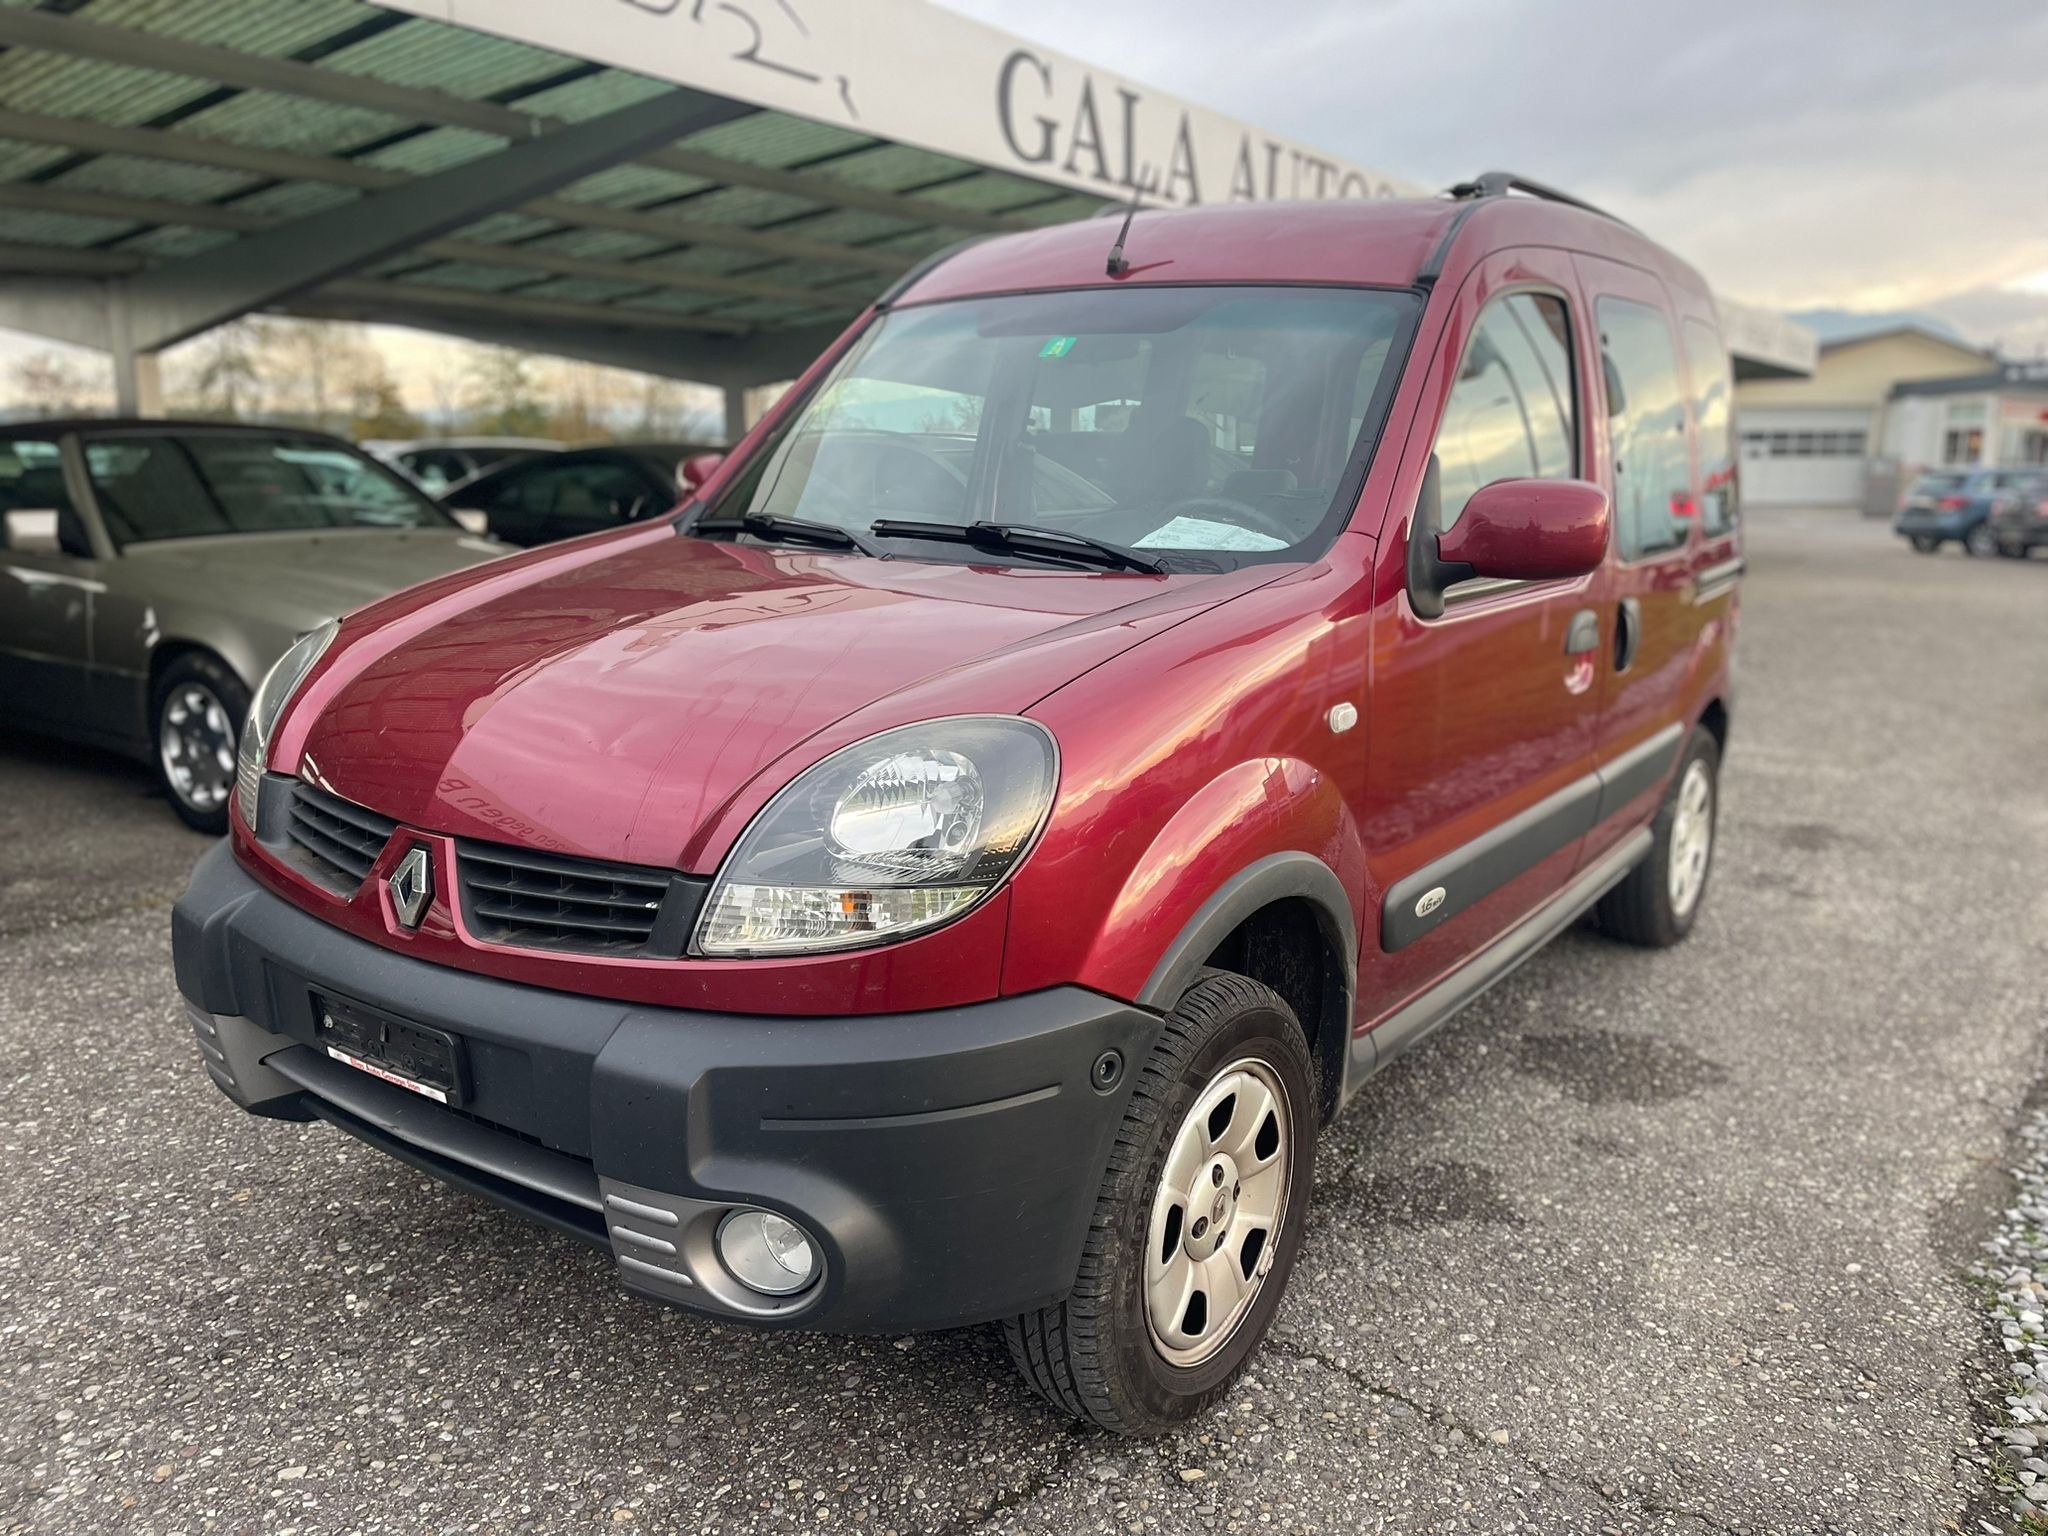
(1277, 877)
(1293, 875)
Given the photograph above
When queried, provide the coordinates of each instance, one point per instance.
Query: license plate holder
(411, 1056)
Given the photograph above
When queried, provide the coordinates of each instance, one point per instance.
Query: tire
(1652, 906)
(1097, 1355)
(1981, 542)
(1925, 543)
(197, 705)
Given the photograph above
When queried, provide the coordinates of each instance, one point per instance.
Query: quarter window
(1510, 413)
(1646, 427)
(1712, 391)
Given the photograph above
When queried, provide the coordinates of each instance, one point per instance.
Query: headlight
(894, 834)
(272, 694)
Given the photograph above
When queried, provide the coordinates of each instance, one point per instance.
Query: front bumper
(946, 1163)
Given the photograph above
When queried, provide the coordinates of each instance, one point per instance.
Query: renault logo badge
(412, 887)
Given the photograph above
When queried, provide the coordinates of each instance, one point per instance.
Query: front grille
(545, 901)
(333, 839)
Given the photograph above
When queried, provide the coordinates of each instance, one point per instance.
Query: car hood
(300, 580)
(611, 697)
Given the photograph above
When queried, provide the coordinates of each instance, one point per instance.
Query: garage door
(1804, 458)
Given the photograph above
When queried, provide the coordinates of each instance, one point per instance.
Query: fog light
(766, 1252)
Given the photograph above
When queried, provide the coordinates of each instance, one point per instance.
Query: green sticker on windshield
(1059, 346)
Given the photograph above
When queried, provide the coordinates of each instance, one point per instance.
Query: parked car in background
(152, 571)
(1954, 506)
(906, 888)
(2019, 523)
(434, 464)
(578, 491)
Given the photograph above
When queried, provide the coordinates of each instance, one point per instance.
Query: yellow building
(1810, 441)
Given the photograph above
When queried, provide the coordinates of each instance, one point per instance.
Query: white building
(1995, 418)
(1826, 440)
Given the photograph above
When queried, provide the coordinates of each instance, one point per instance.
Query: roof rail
(1501, 183)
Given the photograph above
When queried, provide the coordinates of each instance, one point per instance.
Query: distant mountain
(1846, 324)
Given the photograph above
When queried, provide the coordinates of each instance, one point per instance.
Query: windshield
(188, 486)
(1204, 426)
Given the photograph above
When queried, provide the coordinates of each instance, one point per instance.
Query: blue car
(1957, 504)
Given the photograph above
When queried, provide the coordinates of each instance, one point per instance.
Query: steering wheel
(1237, 513)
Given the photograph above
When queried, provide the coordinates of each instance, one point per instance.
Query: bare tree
(501, 393)
(50, 384)
(223, 373)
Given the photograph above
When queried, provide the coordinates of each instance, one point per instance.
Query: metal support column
(738, 416)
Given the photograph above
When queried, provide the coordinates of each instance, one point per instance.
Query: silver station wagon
(151, 572)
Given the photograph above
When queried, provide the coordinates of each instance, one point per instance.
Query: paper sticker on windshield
(1200, 533)
(1059, 346)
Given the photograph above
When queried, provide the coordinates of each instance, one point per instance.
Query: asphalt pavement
(1644, 1242)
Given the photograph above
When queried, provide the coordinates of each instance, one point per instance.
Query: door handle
(1583, 633)
(1628, 633)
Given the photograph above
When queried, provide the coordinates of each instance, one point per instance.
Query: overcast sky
(1875, 155)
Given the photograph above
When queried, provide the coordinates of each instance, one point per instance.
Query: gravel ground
(2014, 1277)
(1644, 1242)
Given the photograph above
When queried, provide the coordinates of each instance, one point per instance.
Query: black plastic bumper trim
(558, 1214)
(426, 1125)
(914, 1117)
(893, 1138)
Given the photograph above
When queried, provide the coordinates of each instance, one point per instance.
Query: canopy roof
(706, 189)
(155, 137)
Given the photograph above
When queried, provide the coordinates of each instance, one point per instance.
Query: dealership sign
(914, 73)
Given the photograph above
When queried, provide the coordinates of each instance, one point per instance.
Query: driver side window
(1510, 414)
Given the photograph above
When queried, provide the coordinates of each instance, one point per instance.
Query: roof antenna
(1117, 266)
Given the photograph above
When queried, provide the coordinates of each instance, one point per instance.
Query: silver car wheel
(195, 740)
(1692, 838)
(1216, 1217)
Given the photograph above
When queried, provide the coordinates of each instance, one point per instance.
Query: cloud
(1800, 153)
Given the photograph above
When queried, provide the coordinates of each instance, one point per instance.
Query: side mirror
(1511, 530)
(1530, 530)
(696, 469)
(34, 532)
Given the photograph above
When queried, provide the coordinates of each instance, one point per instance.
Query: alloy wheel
(1692, 837)
(196, 743)
(1217, 1214)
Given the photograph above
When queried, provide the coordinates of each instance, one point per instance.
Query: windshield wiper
(781, 530)
(1058, 543)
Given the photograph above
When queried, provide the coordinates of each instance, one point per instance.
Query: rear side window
(1510, 414)
(435, 468)
(1712, 391)
(583, 489)
(31, 477)
(1645, 425)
